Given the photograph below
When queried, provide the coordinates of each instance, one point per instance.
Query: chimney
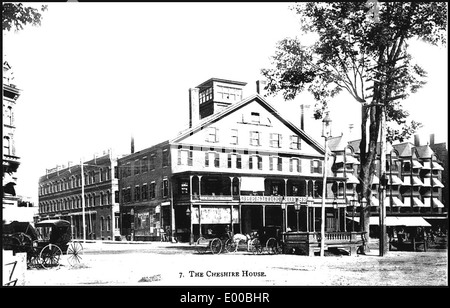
(431, 139)
(416, 140)
(132, 144)
(303, 117)
(260, 87)
(194, 110)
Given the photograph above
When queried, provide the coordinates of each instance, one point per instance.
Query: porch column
(199, 186)
(200, 219)
(231, 186)
(191, 235)
(264, 215)
(231, 218)
(314, 219)
(190, 187)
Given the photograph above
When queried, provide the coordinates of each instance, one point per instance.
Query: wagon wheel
(230, 245)
(50, 256)
(216, 246)
(74, 252)
(272, 246)
(256, 246)
(199, 245)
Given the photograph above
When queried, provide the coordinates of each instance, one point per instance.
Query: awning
(436, 183)
(351, 179)
(416, 164)
(391, 221)
(416, 202)
(436, 202)
(436, 166)
(374, 201)
(348, 159)
(252, 184)
(415, 181)
(394, 180)
(375, 180)
(395, 202)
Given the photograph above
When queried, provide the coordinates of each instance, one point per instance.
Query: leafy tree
(16, 16)
(362, 48)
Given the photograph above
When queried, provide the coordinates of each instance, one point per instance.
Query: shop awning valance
(392, 221)
(416, 164)
(436, 183)
(252, 183)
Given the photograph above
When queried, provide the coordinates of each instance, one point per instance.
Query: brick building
(60, 197)
(11, 161)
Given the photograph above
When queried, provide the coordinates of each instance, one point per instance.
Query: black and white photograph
(225, 144)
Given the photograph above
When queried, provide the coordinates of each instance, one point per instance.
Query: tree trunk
(367, 167)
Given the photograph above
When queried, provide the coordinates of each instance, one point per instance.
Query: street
(176, 264)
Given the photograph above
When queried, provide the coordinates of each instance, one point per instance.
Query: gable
(251, 124)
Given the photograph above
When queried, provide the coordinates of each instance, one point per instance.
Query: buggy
(268, 238)
(44, 244)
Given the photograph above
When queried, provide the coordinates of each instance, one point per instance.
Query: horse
(241, 238)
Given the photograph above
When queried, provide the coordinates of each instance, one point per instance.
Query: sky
(95, 74)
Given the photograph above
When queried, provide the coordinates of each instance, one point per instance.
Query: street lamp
(297, 206)
(283, 208)
(191, 231)
(326, 134)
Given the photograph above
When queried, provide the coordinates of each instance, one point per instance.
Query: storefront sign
(272, 199)
(216, 198)
(215, 215)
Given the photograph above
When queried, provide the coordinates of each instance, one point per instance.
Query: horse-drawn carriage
(44, 243)
(269, 239)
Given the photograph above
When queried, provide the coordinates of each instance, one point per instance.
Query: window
(256, 118)
(255, 162)
(137, 166)
(255, 138)
(316, 166)
(184, 187)
(108, 223)
(205, 95)
(278, 161)
(184, 157)
(6, 146)
(211, 157)
(234, 136)
(275, 189)
(275, 140)
(152, 190)
(165, 188)
(234, 161)
(116, 172)
(116, 196)
(137, 193)
(102, 224)
(294, 165)
(144, 192)
(212, 134)
(126, 194)
(144, 164)
(165, 158)
(152, 161)
(295, 142)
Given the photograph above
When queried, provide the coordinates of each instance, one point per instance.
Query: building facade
(64, 193)
(414, 187)
(240, 164)
(11, 161)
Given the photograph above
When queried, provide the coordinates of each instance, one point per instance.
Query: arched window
(6, 146)
(108, 223)
(102, 224)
